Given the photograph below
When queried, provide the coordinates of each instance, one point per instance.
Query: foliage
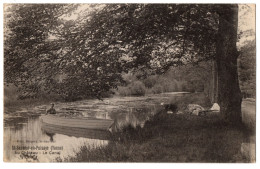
(138, 88)
(13, 101)
(93, 50)
(29, 55)
(187, 78)
(150, 81)
(157, 89)
(247, 69)
(109, 39)
(38, 56)
(180, 79)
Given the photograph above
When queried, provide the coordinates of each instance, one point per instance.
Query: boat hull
(76, 132)
(84, 123)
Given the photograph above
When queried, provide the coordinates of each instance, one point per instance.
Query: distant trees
(247, 69)
(187, 78)
(197, 76)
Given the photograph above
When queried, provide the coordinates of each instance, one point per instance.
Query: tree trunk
(229, 94)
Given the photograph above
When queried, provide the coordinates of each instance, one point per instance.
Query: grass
(171, 138)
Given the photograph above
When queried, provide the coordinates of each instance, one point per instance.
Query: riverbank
(176, 138)
(163, 138)
(172, 138)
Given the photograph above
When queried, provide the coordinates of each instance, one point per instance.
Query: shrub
(137, 88)
(129, 78)
(150, 81)
(157, 89)
(124, 91)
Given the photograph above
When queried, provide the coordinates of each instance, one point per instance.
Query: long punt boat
(76, 132)
(76, 122)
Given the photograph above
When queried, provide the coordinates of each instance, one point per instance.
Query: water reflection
(32, 136)
(50, 135)
(50, 130)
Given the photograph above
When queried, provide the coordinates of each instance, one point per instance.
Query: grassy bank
(171, 138)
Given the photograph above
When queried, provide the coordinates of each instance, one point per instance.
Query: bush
(124, 91)
(129, 78)
(137, 88)
(157, 89)
(162, 84)
(150, 81)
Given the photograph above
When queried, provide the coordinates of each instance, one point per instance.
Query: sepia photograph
(129, 82)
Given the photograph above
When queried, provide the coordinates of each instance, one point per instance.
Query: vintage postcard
(129, 83)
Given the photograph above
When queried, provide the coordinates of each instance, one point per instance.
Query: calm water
(25, 139)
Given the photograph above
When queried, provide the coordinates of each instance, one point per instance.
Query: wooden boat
(76, 132)
(76, 122)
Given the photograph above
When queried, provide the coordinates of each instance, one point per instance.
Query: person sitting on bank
(51, 110)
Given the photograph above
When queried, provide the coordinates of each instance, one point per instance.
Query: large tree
(94, 49)
(229, 94)
(160, 36)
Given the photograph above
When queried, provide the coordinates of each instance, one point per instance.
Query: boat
(50, 130)
(77, 122)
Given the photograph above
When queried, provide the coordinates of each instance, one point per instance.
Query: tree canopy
(45, 51)
(39, 54)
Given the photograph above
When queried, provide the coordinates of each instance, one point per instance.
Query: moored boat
(76, 132)
(77, 122)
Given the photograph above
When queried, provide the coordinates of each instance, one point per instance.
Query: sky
(246, 17)
(246, 21)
